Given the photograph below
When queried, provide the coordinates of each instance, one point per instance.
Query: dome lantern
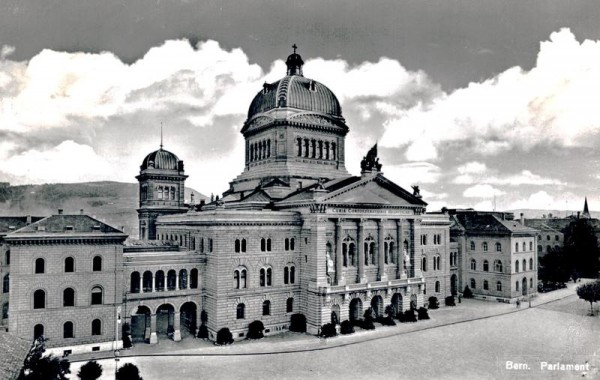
(294, 63)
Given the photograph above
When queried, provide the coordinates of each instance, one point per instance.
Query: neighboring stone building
(8, 224)
(66, 281)
(497, 254)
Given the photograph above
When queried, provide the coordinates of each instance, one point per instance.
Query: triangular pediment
(378, 191)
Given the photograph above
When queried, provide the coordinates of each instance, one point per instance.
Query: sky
(484, 104)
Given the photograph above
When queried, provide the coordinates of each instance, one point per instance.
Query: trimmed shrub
(386, 321)
(357, 322)
(224, 336)
(389, 311)
(347, 328)
(203, 331)
(408, 316)
(90, 371)
(255, 330)
(467, 293)
(423, 313)
(298, 323)
(129, 371)
(434, 303)
(450, 301)
(328, 330)
(367, 323)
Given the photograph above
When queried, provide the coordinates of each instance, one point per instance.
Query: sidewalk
(289, 342)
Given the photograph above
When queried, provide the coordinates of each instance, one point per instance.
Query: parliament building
(294, 233)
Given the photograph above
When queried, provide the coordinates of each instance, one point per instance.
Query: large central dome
(296, 92)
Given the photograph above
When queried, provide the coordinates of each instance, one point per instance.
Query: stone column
(177, 327)
(153, 282)
(141, 283)
(176, 280)
(189, 275)
(339, 270)
(400, 272)
(381, 252)
(360, 253)
(153, 336)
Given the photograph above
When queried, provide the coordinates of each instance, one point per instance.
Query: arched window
(287, 244)
(437, 261)
(237, 245)
(531, 283)
(38, 331)
(473, 283)
(97, 264)
(473, 264)
(40, 266)
(194, 278)
(69, 265)
(266, 307)
(96, 295)
(498, 247)
(369, 247)
(96, 327)
(7, 257)
(159, 281)
(531, 246)
(269, 276)
(498, 266)
(486, 266)
(289, 305)
(292, 244)
(424, 264)
(437, 286)
(262, 277)
(472, 246)
(183, 279)
(240, 311)
(135, 282)
(524, 265)
(68, 297)
(485, 246)
(286, 275)
(499, 286)
(485, 285)
(6, 283)
(39, 299)
(392, 255)
(171, 280)
(524, 247)
(516, 247)
(147, 281)
(530, 264)
(292, 274)
(5, 311)
(517, 266)
(269, 245)
(239, 278)
(263, 244)
(68, 330)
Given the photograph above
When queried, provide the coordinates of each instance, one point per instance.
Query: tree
(40, 367)
(581, 245)
(129, 372)
(590, 292)
(556, 266)
(467, 293)
(90, 371)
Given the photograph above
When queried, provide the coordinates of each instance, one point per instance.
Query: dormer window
(69, 228)
(96, 227)
(312, 86)
(41, 228)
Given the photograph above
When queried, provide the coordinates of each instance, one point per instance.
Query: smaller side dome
(161, 159)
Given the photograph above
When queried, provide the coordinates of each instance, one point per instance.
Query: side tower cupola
(161, 191)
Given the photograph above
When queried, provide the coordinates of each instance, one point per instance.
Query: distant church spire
(586, 211)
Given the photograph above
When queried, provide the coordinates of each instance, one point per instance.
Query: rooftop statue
(370, 162)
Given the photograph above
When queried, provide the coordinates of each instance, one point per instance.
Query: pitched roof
(14, 351)
(12, 223)
(487, 223)
(63, 224)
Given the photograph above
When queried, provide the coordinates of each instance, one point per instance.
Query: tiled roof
(13, 351)
(488, 222)
(67, 223)
(12, 223)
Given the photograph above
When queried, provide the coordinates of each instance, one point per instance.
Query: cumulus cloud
(554, 103)
(414, 173)
(482, 191)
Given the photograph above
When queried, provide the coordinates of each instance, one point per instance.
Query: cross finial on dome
(295, 47)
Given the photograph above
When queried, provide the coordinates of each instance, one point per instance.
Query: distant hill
(114, 203)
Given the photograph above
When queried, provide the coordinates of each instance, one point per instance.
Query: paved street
(481, 348)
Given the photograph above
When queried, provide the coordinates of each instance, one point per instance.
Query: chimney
(60, 211)
(202, 202)
(28, 219)
(80, 211)
(522, 219)
(578, 214)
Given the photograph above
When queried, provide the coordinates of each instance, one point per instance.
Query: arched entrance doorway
(140, 325)
(454, 285)
(165, 320)
(397, 303)
(524, 287)
(188, 319)
(355, 309)
(377, 305)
